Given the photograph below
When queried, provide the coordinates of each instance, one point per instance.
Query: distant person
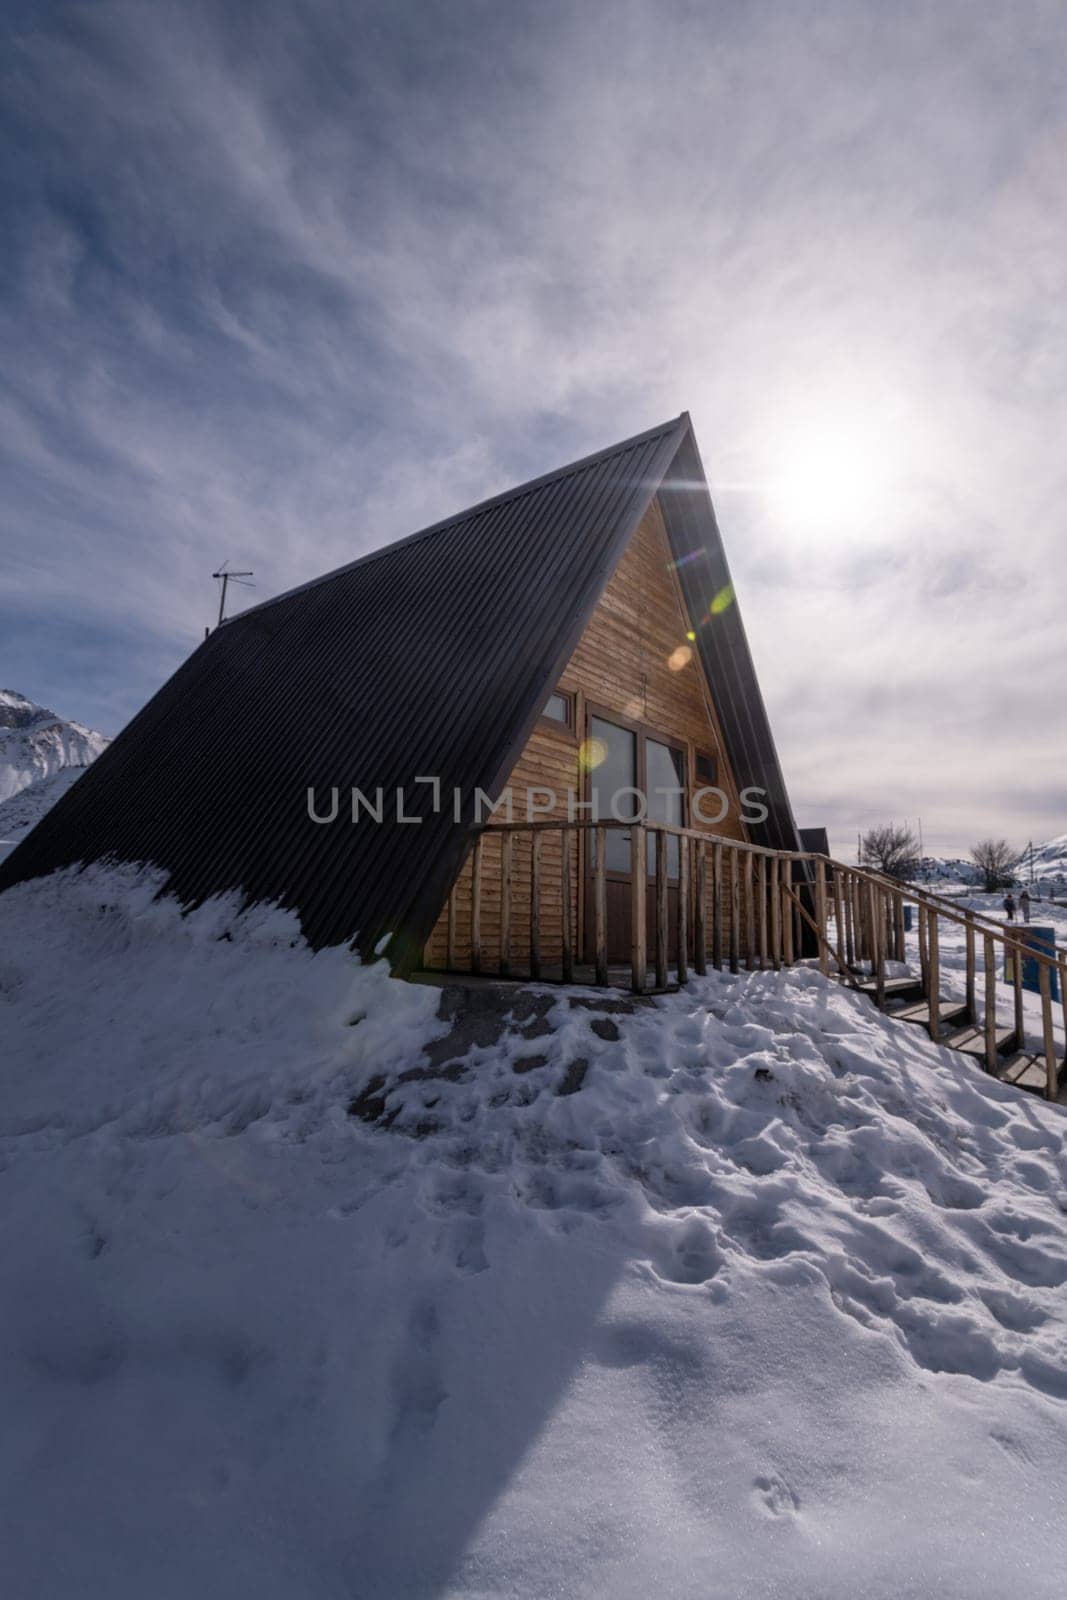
(1009, 906)
(1024, 905)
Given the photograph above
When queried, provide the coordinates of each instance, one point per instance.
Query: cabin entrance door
(632, 770)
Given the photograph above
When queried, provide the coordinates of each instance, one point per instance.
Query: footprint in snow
(775, 1495)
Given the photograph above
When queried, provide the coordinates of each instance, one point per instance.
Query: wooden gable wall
(622, 664)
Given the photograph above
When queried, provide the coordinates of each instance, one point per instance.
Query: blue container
(1043, 939)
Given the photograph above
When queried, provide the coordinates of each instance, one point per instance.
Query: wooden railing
(736, 906)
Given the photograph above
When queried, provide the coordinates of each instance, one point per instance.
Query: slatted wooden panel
(622, 663)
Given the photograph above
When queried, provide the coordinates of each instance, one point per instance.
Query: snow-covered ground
(766, 1300)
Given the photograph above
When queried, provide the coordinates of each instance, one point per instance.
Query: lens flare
(592, 753)
(679, 658)
(723, 600)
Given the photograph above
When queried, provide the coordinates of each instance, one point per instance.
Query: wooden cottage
(337, 749)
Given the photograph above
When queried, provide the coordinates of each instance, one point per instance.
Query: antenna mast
(229, 577)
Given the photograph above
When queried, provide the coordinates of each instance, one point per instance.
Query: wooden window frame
(566, 730)
(643, 731)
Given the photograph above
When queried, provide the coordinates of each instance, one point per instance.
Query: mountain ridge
(36, 743)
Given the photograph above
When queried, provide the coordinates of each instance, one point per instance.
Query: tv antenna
(229, 577)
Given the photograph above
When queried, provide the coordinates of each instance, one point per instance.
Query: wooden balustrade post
(506, 852)
(750, 912)
(787, 913)
(901, 942)
(989, 954)
(566, 839)
(700, 909)
(776, 913)
(662, 921)
(820, 915)
(735, 914)
(716, 906)
(476, 906)
(880, 936)
(600, 906)
(924, 965)
(971, 995)
(535, 904)
(638, 931)
(1017, 998)
(1052, 1070)
(934, 958)
(682, 963)
(761, 911)
(839, 932)
(847, 900)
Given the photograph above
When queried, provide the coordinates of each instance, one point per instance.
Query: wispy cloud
(284, 283)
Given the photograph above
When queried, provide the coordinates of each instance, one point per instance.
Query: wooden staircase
(869, 926)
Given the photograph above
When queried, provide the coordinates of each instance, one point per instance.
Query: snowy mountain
(36, 744)
(949, 869)
(1049, 862)
(745, 1291)
(1049, 867)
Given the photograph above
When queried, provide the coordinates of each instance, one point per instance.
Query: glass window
(665, 773)
(558, 709)
(612, 759)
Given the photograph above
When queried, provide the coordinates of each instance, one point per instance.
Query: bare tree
(995, 860)
(891, 849)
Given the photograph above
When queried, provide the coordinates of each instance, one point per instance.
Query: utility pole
(227, 578)
(922, 853)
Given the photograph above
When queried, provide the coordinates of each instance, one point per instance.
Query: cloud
(286, 283)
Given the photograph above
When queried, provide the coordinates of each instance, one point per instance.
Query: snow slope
(1050, 868)
(35, 743)
(1050, 862)
(750, 1293)
(24, 810)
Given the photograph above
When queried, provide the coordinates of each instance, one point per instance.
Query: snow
(24, 810)
(35, 743)
(766, 1300)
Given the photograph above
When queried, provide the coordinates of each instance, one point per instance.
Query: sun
(833, 477)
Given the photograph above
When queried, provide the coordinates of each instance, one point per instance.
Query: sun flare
(833, 478)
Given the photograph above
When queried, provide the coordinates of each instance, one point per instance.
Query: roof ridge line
(679, 422)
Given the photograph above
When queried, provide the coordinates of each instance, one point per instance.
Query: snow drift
(751, 1292)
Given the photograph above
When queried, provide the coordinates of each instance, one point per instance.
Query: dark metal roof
(431, 657)
(815, 839)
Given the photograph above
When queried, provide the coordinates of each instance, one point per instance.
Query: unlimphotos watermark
(709, 804)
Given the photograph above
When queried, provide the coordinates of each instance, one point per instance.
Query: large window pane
(664, 772)
(612, 754)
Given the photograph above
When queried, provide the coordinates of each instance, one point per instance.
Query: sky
(283, 282)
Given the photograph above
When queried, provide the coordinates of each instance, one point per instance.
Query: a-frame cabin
(578, 634)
